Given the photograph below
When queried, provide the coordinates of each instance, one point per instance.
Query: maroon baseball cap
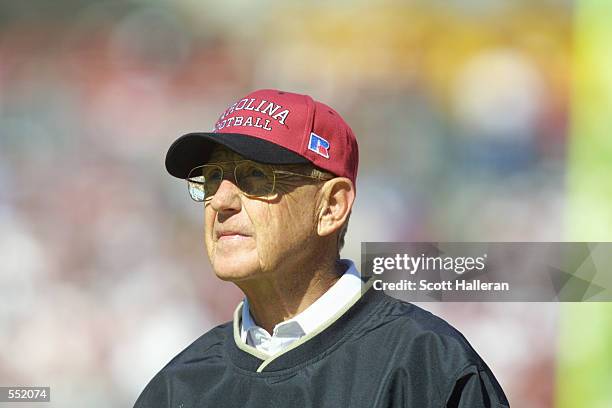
(273, 127)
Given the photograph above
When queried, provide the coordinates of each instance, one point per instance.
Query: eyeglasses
(253, 179)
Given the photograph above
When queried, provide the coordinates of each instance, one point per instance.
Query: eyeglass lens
(252, 179)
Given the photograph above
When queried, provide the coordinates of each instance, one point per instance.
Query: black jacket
(381, 352)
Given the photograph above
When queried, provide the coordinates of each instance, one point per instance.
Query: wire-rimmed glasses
(253, 179)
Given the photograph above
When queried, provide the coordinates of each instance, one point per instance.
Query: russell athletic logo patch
(318, 145)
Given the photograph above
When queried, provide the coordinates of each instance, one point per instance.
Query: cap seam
(311, 111)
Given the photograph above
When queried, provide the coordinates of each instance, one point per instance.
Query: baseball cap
(273, 127)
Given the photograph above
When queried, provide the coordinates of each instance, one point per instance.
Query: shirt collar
(317, 313)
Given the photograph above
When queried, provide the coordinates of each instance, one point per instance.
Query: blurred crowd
(460, 109)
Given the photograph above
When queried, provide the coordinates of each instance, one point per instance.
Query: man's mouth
(231, 235)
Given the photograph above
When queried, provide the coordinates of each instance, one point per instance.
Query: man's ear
(336, 201)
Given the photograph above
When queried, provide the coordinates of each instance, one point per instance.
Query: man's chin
(234, 270)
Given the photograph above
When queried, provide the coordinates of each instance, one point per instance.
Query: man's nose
(227, 198)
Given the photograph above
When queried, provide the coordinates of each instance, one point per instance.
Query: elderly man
(277, 179)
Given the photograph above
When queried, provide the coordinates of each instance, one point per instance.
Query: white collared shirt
(285, 333)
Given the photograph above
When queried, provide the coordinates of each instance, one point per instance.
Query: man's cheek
(209, 246)
(208, 240)
(267, 247)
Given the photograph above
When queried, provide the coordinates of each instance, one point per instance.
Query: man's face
(249, 237)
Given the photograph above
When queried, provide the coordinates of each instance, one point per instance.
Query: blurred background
(463, 111)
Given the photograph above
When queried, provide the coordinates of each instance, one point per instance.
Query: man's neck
(277, 299)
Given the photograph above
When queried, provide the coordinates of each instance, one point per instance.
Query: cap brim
(193, 149)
